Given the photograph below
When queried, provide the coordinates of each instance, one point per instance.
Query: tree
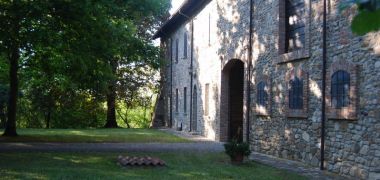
(74, 46)
(29, 27)
(367, 19)
(135, 47)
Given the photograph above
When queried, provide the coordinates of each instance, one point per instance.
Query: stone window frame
(303, 75)
(344, 113)
(303, 53)
(266, 110)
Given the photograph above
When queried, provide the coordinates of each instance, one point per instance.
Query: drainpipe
(250, 49)
(324, 65)
(191, 72)
(171, 83)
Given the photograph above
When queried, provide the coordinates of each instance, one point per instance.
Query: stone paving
(111, 147)
(294, 166)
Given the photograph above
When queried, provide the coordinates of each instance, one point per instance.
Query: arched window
(340, 89)
(296, 93)
(262, 95)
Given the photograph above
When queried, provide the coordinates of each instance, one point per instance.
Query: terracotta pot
(238, 159)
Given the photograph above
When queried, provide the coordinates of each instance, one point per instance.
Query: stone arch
(232, 101)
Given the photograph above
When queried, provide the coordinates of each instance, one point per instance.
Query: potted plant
(237, 150)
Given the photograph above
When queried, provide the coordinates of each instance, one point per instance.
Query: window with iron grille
(296, 93)
(340, 88)
(262, 95)
(295, 25)
(185, 45)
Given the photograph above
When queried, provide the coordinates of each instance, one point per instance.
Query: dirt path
(111, 147)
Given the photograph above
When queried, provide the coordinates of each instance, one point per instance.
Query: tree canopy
(66, 56)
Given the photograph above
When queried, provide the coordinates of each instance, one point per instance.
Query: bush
(234, 148)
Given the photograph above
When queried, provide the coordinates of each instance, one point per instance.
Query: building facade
(253, 70)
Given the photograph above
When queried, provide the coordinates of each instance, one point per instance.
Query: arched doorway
(232, 97)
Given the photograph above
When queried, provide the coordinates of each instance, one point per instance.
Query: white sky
(175, 5)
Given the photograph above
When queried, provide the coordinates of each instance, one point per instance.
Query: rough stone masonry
(206, 80)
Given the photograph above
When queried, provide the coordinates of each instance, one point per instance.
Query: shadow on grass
(104, 166)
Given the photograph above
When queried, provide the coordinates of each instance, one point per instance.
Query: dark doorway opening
(232, 97)
(235, 105)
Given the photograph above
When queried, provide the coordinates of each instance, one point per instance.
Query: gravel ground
(111, 147)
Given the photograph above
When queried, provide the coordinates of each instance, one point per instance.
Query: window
(185, 45)
(171, 50)
(296, 94)
(262, 95)
(295, 25)
(207, 94)
(340, 88)
(176, 100)
(294, 30)
(185, 100)
(176, 50)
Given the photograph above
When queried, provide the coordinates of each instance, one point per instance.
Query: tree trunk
(10, 129)
(111, 100)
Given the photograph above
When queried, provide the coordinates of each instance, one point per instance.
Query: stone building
(253, 70)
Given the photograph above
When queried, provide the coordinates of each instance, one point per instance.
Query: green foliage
(367, 20)
(234, 148)
(68, 52)
(137, 117)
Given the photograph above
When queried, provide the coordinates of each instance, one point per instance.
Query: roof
(188, 10)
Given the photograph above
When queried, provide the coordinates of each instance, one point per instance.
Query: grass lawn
(93, 136)
(103, 166)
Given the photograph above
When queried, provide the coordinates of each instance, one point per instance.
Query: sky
(175, 5)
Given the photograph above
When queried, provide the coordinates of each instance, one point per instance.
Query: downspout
(191, 73)
(250, 50)
(324, 65)
(171, 83)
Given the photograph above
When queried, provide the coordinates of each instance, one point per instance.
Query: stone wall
(351, 143)
(221, 34)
